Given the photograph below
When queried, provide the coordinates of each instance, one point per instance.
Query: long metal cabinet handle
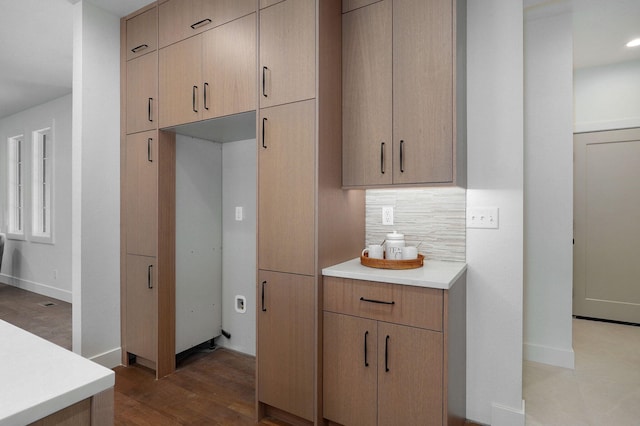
(193, 98)
(386, 354)
(263, 308)
(150, 276)
(149, 109)
(401, 156)
(382, 302)
(264, 124)
(382, 158)
(139, 48)
(149, 156)
(264, 81)
(201, 23)
(366, 361)
(205, 96)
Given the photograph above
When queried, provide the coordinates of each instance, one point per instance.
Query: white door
(607, 225)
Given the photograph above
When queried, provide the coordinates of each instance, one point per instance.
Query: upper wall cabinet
(142, 33)
(287, 52)
(180, 19)
(210, 75)
(403, 93)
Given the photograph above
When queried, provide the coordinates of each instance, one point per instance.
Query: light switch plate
(482, 217)
(239, 215)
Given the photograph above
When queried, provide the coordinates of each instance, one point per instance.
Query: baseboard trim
(507, 416)
(109, 359)
(39, 288)
(549, 355)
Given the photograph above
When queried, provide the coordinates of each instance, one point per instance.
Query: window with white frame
(15, 190)
(42, 183)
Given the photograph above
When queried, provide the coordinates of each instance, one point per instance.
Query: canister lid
(395, 236)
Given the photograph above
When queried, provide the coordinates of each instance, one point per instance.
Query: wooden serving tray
(392, 264)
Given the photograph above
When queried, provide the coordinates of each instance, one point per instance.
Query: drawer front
(399, 304)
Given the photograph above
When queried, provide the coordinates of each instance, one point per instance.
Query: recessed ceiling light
(634, 43)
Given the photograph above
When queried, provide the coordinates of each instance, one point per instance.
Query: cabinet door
(350, 362)
(141, 307)
(141, 197)
(287, 52)
(286, 182)
(181, 82)
(142, 98)
(366, 96)
(286, 342)
(409, 358)
(142, 33)
(180, 19)
(229, 68)
(423, 112)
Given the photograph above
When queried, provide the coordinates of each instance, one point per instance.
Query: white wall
(548, 186)
(96, 184)
(607, 97)
(198, 241)
(495, 178)
(239, 239)
(41, 268)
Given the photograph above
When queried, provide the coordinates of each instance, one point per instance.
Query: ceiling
(36, 38)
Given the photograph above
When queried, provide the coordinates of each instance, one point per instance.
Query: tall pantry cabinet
(147, 203)
(305, 220)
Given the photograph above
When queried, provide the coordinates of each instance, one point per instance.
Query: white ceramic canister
(393, 246)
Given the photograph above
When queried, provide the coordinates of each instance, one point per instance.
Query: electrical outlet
(482, 217)
(387, 215)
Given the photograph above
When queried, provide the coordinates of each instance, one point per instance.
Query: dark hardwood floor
(41, 315)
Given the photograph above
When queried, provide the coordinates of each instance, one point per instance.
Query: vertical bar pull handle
(386, 354)
(366, 361)
(193, 98)
(401, 156)
(150, 276)
(264, 124)
(206, 85)
(264, 81)
(263, 307)
(150, 109)
(382, 158)
(149, 156)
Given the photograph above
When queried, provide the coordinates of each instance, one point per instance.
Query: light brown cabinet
(147, 254)
(305, 220)
(286, 182)
(141, 333)
(142, 33)
(142, 93)
(409, 53)
(209, 75)
(181, 19)
(141, 193)
(386, 357)
(287, 52)
(286, 325)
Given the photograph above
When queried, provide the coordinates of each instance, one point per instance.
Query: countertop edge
(434, 274)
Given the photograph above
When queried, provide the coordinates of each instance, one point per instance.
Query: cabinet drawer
(399, 304)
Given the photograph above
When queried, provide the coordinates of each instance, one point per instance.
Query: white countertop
(434, 273)
(38, 378)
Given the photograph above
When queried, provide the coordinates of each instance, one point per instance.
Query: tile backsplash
(433, 219)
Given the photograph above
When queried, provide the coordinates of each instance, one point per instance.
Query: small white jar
(393, 246)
